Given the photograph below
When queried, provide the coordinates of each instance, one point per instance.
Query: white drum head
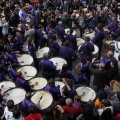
(109, 41)
(58, 62)
(28, 72)
(60, 85)
(46, 99)
(39, 53)
(91, 35)
(6, 85)
(79, 41)
(95, 49)
(16, 94)
(86, 93)
(25, 59)
(67, 31)
(39, 83)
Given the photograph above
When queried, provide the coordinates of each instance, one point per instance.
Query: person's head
(16, 113)
(114, 63)
(101, 65)
(66, 43)
(87, 39)
(18, 35)
(32, 109)
(28, 95)
(113, 18)
(65, 92)
(60, 23)
(9, 50)
(106, 103)
(110, 53)
(39, 26)
(71, 30)
(45, 55)
(51, 82)
(64, 68)
(10, 105)
(99, 26)
(30, 26)
(102, 95)
(69, 102)
(19, 74)
(76, 98)
(88, 58)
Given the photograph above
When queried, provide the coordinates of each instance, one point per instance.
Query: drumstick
(21, 62)
(40, 98)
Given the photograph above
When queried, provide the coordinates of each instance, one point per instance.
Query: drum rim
(31, 66)
(46, 92)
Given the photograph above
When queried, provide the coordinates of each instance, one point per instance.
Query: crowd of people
(42, 24)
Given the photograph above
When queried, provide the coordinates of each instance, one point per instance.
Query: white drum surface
(6, 85)
(79, 41)
(28, 72)
(58, 62)
(91, 35)
(45, 99)
(16, 94)
(25, 48)
(39, 53)
(67, 31)
(25, 59)
(86, 93)
(38, 82)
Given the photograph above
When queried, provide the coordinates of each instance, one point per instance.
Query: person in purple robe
(39, 37)
(113, 26)
(54, 90)
(22, 13)
(60, 31)
(48, 67)
(26, 103)
(67, 53)
(31, 8)
(72, 39)
(86, 50)
(54, 46)
(99, 36)
(116, 34)
(49, 36)
(21, 82)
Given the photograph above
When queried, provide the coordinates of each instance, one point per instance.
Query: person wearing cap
(54, 90)
(26, 103)
(86, 50)
(99, 36)
(48, 68)
(60, 31)
(99, 75)
(116, 34)
(72, 39)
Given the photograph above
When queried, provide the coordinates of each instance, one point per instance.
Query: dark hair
(51, 82)
(64, 68)
(87, 39)
(48, 114)
(106, 103)
(107, 114)
(102, 95)
(100, 26)
(16, 113)
(28, 95)
(115, 63)
(119, 57)
(10, 104)
(32, 109)
(65, 92)
(71, 30)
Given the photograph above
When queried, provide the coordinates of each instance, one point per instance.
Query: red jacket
(36, 116)
(72, 110)
(117, 117)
